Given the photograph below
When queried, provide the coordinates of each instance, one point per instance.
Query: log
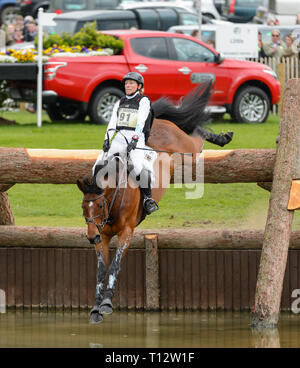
(6, 215)
(53, 166)
(279, 220)
(67, 237)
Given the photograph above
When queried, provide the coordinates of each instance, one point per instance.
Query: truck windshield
(73, 5)
(62, 25)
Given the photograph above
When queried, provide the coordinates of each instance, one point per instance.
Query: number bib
(127, 118)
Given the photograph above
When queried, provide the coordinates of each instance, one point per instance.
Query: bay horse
(117, 211)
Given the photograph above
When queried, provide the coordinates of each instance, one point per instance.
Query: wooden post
(6, 216)
(152, 275)
(279, 221)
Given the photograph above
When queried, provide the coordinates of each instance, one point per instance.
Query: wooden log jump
(54, 166)
(66, 237)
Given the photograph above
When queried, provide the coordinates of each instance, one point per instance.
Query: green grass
(222, 205)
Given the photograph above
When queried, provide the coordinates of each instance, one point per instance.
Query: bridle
(92, 219)
(107, 204)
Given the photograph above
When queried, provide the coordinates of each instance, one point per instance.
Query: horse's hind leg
(106, 306)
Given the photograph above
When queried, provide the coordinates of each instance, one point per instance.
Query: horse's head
(95, 209)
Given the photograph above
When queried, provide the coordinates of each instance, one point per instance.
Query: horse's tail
(190, 114)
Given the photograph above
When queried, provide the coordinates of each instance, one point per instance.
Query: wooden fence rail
(65, 237)
(21, 165)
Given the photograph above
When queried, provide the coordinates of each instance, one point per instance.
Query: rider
(132, 118)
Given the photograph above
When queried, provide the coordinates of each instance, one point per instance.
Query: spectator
(31, 31)
(195, 33)
(18, 35)
(276, 46)
(19, 22)
(27, 19)
(270, 22)
(9, 34)
(298, 18)
(211, 43)
(261, 51)
(291, 49)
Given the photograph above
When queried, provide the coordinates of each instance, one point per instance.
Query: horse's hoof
(106, 307)
(96, 317)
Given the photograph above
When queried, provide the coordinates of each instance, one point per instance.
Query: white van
(283, 12)
(207, 6)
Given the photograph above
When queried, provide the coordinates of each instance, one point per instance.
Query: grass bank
(222, 205)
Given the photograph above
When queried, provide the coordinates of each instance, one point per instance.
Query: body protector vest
(128, 115)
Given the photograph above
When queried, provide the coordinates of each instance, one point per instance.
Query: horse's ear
(80, 185)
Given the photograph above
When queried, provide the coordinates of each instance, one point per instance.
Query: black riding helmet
(134, 76)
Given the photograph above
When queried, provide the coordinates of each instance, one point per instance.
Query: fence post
(152, 272)
(279, 220)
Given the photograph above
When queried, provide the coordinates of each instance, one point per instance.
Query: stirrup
(151, 207)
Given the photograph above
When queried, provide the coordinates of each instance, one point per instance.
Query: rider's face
(131, 86)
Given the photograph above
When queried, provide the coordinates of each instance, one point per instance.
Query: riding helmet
(134, 76)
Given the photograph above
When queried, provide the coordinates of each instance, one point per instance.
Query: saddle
(130, 172)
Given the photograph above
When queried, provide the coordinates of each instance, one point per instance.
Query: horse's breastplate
(128, 113)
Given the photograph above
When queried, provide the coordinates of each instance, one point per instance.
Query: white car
(207, 6)
(282, 12)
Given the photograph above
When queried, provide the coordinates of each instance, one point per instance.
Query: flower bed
(87, 42)
(31, 55)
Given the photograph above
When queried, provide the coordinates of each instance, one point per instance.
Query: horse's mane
(190, 113)
(88, 185)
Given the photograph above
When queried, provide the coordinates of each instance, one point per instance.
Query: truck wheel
(102, 104)
(251, 105)
(8, 14)
(65, 111)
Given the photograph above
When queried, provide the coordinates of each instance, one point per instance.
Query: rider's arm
(113, 121)
(144, 110)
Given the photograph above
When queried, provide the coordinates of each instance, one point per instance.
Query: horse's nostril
(97, 239)
(91, 240)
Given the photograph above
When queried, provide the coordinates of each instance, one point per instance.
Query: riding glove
(132, 145)
(106, 145)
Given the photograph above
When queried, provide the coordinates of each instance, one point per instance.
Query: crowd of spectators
(21, 30)
(277, 47)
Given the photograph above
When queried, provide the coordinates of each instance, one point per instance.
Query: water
(125, 329)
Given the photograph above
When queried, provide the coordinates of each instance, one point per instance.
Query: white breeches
(140, 158)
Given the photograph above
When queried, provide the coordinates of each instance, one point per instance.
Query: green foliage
(88, 37)
(3, 92)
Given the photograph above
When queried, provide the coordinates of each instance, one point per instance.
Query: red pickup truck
(171, 64)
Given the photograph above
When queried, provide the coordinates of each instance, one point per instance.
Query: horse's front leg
(102, 264)
(124, 238)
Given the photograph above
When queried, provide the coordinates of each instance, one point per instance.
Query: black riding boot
(149, 203)
(219, 139)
